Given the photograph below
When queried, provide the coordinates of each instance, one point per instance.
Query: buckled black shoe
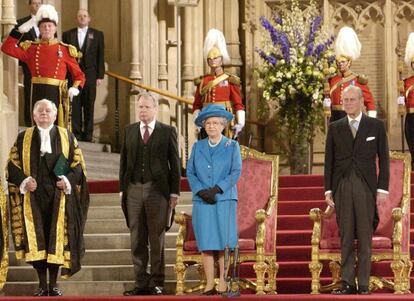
(211, 292)
(55, 291)
(157, 290)
(363, 290)
(137, 291)
(345, 290)
(41, 292)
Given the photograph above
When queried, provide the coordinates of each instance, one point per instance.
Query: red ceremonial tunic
(225, 92)
(336, 93)
(409, 94)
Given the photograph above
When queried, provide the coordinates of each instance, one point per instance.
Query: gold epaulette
(73, 52)
(25, 44)
(362, 79)
(234, 79)
(198, 80)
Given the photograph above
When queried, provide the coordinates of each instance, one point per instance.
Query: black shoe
(211, 292)
(157, 290)
(345, 290)
(41, 292)
(363, 290)
(55, 291)
(136, 291)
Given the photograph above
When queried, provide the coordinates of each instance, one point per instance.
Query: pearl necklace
(215, 144)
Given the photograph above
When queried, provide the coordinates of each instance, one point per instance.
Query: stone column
(135, 72)
(164, 105)
(83, 4)
(390, 80)
(231, 27)
(9, 105)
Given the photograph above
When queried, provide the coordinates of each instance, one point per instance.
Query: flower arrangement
(296, 57)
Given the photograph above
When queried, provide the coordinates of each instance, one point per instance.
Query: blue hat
(212, 111)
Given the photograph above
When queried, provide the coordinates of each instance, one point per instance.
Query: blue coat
(205, 170)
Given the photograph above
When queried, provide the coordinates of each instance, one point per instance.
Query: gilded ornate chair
(391, 240)
(257, 214)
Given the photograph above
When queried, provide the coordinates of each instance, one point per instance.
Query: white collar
(84, 29)
(45, 143)
(46, 129)
(150, 125)
(358, 118)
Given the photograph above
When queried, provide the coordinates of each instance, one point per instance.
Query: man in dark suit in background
(31, 35)
(352, 186)
(149, 180)
(91, 43)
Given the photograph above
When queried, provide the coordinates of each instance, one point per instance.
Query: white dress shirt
(82, 35)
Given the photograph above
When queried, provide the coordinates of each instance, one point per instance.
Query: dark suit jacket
(343, 151)
(164, 160)
(92, 61)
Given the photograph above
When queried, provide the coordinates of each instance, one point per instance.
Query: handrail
(152, 89)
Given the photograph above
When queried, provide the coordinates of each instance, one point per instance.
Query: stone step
(113, 199)
(26, 273)
(98, 241)
(113, 225)
(115, 212)
(84, 288)
(87, 147)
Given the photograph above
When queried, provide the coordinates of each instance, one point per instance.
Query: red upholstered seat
(256, 221)
(391, 239)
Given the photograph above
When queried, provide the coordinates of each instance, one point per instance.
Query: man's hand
(31, 185)
(61, 184)
(73, 92)
(26, 26)
(99, 81)
(173, 201)
(329, 200)
(381, 197)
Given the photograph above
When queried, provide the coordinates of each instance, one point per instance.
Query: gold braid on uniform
(25, 44)
(73, 52)
(234, 79)
(362, 79)
(198, 80)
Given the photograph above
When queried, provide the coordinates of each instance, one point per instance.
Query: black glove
(211, 194)
(205, 195)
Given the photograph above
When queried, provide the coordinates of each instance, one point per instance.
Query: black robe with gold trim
(64, 244)
(4, 240)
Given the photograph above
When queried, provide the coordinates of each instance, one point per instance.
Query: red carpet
(297, 195)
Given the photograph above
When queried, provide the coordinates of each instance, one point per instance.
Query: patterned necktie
(146, 134)
(353, 125)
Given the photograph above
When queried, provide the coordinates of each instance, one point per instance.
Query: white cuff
(372, 114)
(382, 191)
(241, 117)
(68, 189)
(22, 187)
(327, 192)
(327, 102)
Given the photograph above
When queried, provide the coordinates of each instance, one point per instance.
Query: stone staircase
(106, 267)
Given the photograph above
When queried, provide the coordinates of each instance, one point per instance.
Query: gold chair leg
(180, 271)
(315, 268)
(260, 268)
(271, 281)
(398, 269)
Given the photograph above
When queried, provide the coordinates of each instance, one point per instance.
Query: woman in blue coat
(213, 170)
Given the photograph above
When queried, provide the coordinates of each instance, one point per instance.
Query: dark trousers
(409, 134)
(147, 215)
(83, 112)
(50, 92)
(355, 209)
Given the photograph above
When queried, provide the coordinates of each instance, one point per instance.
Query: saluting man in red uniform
(408, 97)
(347, 49)
(218, 87)
(48, 60)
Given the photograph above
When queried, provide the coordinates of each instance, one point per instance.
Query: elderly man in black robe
(49, 199)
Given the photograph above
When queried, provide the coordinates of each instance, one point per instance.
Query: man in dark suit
(91, 43)
(352, 186)
(149, 180)
(31, 35)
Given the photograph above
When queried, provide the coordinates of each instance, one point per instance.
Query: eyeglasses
(212, 123)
